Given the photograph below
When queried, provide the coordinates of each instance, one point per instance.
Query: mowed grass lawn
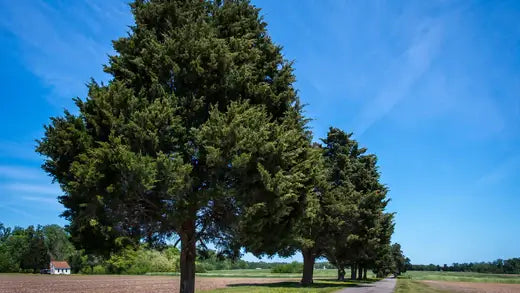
(462, 277)
(266, 273)
(411, 286)
(320, 285)
(412, 281)
(324, 281)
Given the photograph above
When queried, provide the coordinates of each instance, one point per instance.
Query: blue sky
(431, 87)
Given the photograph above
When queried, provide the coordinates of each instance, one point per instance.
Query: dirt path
(26, 283)
(475, 287)
(383, 286)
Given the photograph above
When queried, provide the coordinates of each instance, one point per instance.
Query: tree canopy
(199, 133)
(363, 228)
(31, 249)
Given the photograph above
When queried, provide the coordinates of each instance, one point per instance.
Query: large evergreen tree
(340, 155)
(199, 133)
(313, 231)
(360, 202)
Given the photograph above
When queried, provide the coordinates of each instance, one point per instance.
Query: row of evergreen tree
(200, 133)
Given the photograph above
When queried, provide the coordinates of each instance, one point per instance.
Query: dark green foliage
(400, 260)
(8, 263)
(31, 249)
(77, 261)
(35, 257)
(199, 133)
(390, 260)
(12, 247)
(57, 242)
(363, 228)
(143, 155)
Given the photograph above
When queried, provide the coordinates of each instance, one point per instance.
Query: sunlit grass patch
(411, 286)
(463, 277)
(322, 286)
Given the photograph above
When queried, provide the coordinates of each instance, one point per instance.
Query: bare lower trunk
(353, 271)
(188, 254)
(360, 272)
(308, 266)
(364, 273)
(341, 273)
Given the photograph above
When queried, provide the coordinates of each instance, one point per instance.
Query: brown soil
(20, 283)
(475, 287)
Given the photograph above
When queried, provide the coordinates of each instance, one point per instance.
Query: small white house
(59, 268)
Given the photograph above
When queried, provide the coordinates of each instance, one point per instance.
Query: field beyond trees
(462, 277)
(438, 282)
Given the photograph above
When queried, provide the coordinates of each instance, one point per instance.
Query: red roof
(60, 264)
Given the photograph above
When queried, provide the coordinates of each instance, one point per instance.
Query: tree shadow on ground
(318, 283)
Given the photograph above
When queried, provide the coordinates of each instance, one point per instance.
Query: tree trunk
(353, 270)
(360, 272)
(308, 266)
(188, 254)
(341, 273)
(364, 273)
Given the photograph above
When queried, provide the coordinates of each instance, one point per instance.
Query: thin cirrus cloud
(402, 75)
(46, 200)
(64, 33)
(499, 173)
(18, 150)
(21, 173)
(22, 186)
(16, 210)
(29, 188)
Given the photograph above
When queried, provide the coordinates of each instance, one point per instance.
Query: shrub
(200, 267)
(294, 267)
(99, 270)
(141, 261)
(157, 261)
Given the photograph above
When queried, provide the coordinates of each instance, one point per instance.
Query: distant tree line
(499, 266)
(30, 250)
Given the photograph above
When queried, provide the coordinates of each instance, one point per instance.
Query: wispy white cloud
(17, 211)
(49, 189)
(19, 173)
(502, 170)
(46, 200)
(19, 150)
(64, 45)
(402, 75)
